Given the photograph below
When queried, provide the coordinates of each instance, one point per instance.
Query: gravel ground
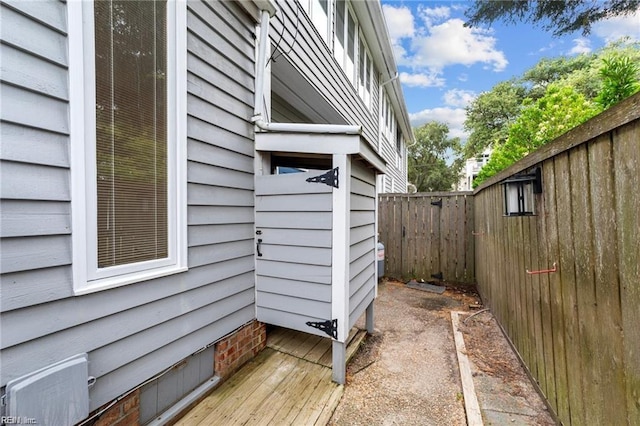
(407, 372)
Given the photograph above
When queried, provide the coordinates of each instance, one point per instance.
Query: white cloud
(421, 80)
(430, 15)
(581, 45)
(618, 27)
(451, 43)
(458, 98)
(399, 22)
(453, 117)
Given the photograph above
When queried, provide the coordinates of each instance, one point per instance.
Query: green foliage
(620, 79)
(558, 111)
(490, 114)
(560, 17)
(427, 166)
(550, 70)
(499, 115)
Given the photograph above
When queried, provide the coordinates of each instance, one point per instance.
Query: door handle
(258, 247)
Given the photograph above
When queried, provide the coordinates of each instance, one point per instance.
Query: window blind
(131, 131)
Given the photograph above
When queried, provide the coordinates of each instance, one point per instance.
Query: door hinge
(437, 203)
(329, 326)
(329, 178)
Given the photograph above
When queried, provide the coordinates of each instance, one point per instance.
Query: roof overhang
(324, 144)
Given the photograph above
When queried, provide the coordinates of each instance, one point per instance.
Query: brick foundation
(230, 353)
(124, 413)
(237, 348)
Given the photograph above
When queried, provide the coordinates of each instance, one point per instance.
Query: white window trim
(314, 10)
(87, 278)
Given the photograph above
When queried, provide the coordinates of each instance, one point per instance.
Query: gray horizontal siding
(50, 14)
(294, 220)
(42, 41)
(71, 335)
(34, 146)
(294, 271)
(135, 331)
(33, 109)
(19, 218)
(310, 55)
(296, 288)
(22, 181)
(26, 253)
(298, 237)
(362, 242)
(23, 70)
(70, 311)
(359, 309)
(34, 287)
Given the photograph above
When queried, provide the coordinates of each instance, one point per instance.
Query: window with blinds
(131, 131)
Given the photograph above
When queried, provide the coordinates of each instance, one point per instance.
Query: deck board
(288, 383)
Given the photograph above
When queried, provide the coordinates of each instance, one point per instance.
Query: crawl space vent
(55, 395)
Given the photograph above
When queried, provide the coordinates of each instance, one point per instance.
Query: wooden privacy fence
(428, 235)
(565, 283)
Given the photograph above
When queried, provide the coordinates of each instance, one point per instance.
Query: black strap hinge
(329, 178)
(329, 326)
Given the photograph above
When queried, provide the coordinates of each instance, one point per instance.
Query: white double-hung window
(344, 48)
(127, 68)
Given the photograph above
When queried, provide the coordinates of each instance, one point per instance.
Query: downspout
(258, 111)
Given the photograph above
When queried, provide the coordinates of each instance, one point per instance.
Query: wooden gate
(293, 248)
(428, 236)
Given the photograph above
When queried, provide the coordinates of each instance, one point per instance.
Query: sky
(444, 66)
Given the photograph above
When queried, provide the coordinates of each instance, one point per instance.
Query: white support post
(340, 264)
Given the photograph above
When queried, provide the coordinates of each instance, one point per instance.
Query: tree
(490, 114)
(550, 70)
(558, 111)
(560, 17)
(427, 166)
(620, 79)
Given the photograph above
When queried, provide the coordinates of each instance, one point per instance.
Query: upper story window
(318, 11)
(365, 70)
(127, 114)
(344, 48)
(388, 123)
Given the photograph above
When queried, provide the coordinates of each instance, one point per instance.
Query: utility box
(57, 394)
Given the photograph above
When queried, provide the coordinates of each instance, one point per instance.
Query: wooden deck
(288, 383)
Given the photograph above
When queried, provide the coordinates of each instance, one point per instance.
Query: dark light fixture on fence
(518, 193)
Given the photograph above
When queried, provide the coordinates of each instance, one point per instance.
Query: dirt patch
(480, 334)
(367, 355)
